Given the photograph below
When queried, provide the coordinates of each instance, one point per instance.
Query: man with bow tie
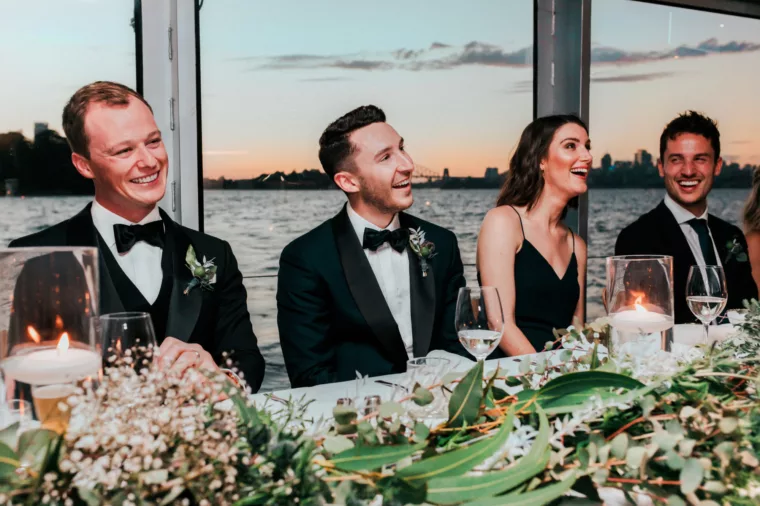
(353, 294)
(116, 143)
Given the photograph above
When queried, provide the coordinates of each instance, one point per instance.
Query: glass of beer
(51, 406)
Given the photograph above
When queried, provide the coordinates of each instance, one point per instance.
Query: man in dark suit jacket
(352, 294)
(680, 225)
(142, 251)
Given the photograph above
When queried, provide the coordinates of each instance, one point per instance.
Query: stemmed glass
(479, 320)
(706, 294)
(127, 337)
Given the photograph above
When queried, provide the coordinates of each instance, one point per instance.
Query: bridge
(422, 173)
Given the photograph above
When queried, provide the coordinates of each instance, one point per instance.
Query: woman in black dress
(524, 249)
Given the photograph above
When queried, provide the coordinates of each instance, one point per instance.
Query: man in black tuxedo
(352, 294)
(116, 143)
(680, 225)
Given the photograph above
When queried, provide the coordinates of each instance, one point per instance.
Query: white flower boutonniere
(204, 273)
(425, 250)
(735, 250)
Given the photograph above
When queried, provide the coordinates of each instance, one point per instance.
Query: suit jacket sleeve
(303, 320)
(453, 282)
(629, 243)
(234, 332)
(748, 288)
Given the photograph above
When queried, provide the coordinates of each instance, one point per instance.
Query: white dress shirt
(142, 263)
(683, 216)
(391, 270)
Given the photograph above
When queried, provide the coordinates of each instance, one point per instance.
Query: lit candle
(62, 364)
(640, 320)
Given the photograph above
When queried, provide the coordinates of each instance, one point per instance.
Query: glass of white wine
(479, 320)
(706, 294)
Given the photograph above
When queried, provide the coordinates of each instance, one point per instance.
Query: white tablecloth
(325, 396)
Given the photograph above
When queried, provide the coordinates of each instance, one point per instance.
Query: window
(661, 61)
(49, 49)
(454, 78)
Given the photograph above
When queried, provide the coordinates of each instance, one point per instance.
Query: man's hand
(179, 356)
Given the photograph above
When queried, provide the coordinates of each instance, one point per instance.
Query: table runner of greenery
(145, 437)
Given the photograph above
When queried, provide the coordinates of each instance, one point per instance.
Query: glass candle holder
(48, 313)
(639, 301)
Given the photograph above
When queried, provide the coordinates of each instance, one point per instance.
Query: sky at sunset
(454, 77)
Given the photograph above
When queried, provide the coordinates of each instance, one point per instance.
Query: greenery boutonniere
(204, 273)
(425, 250)
(736, 250)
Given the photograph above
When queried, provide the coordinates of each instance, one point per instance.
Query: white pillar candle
(645, 322)
(52, 365)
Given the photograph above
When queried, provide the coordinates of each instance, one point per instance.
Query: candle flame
(33, 334)
(638, 306)
(58, 322)
(63, 343)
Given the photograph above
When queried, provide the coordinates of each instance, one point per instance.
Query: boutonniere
(736, 250)
(204, 273)
(425, 250)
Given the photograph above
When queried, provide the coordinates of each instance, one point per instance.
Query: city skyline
(455, 81)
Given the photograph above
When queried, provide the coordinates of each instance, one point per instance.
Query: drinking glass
(706, 294)
(428, 371)
(128, 338)
(479, 320)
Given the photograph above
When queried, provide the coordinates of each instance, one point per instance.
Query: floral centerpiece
(568, 420)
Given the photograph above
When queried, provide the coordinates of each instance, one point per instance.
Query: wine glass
(127, 338)
(479, 320)
(706, 294)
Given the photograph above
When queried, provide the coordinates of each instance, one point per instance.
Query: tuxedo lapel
(422, 294)
(721, 238)
(81, 232)
(682, 254)
(183, 308)
(365, 289)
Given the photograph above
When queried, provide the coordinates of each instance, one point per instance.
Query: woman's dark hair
(524, 181)
(752, 207)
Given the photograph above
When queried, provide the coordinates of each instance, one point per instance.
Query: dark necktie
(128, 235)
(373, 239)
(705, 242)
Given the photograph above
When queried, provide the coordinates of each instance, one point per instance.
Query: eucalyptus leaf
(9, 461)
(619, 445)
(33, 446)
(634, 457)
(390, 408)
(9, 435)
(664, 440)
(344, 414)
(89, 496)
(524, 366)
(451, 490)
(363, 458)
(539, 496)
(675, 500)
(464, 405)
(728, 424)
(461, 460)
(421, 432)
(691, 476)
(422, 396)
(337, 444)
(674, 460)
(600, 476)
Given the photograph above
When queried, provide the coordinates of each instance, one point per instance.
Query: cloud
(604, 54)
(440, 56)
(631, 78)
(324, 79)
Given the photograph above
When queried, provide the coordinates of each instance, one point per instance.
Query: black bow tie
(373, 239)
(128, 235)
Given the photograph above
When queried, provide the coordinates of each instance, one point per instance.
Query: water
(479, 343)
(706, 308)
(258, 224)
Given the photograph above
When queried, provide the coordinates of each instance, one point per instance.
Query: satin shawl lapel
(183, 308)
(422, 294)
(365, 289)
(81, 231)
(683, 258)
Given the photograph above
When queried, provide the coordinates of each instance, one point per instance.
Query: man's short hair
(99, 92)
(334, 145)
(691, 122)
